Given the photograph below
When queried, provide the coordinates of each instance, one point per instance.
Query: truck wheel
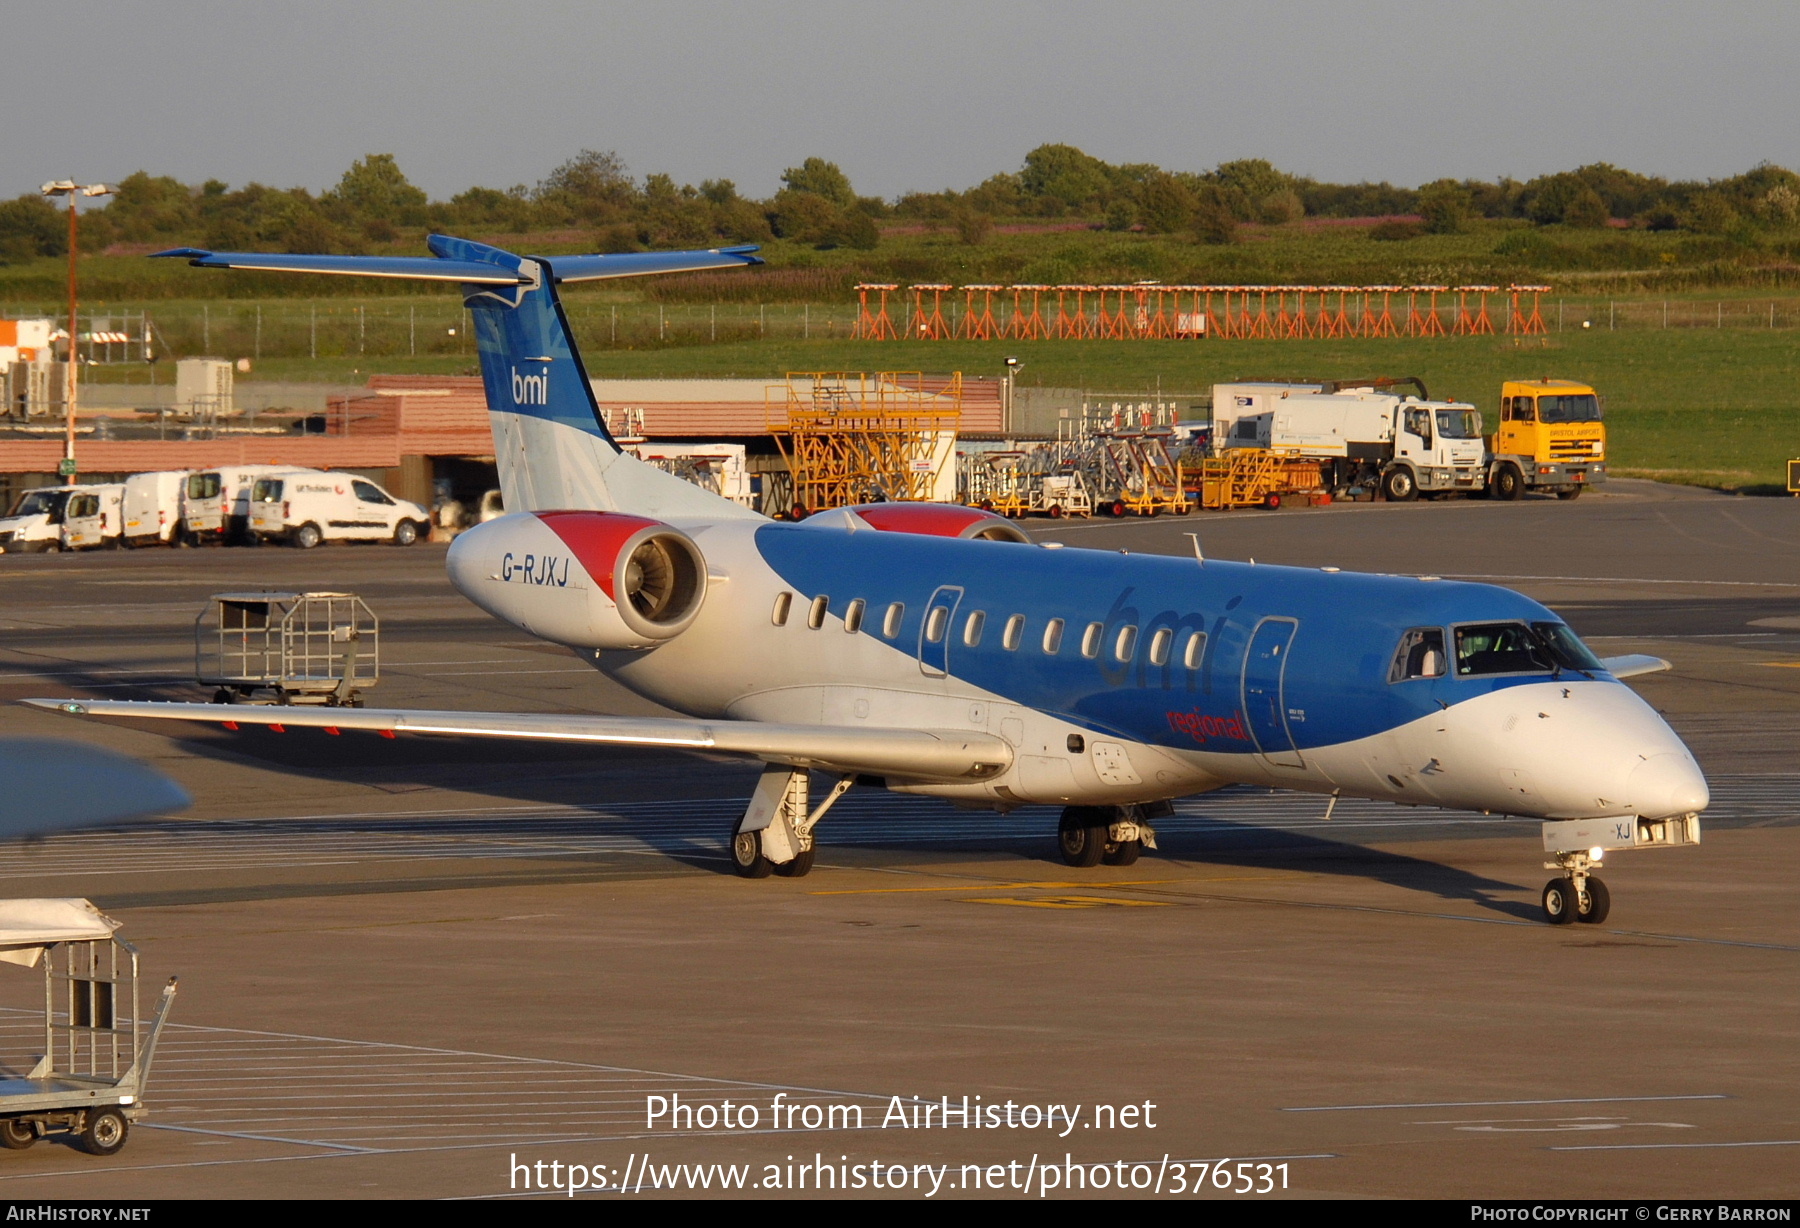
(16, 1134)
(406, 533)
(1574, 492)
(307, 536)
(1398, 486)
(1509, 483)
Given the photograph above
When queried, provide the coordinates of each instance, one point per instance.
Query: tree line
(595, 196)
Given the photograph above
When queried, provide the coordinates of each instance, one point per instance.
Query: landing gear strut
(1117, 835)
(775, 836)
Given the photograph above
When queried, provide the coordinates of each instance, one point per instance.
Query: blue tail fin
(550, 442)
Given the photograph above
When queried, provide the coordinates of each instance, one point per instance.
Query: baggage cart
(287, 648)
(89, 1084)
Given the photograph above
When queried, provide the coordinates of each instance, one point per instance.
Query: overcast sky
(912, 96)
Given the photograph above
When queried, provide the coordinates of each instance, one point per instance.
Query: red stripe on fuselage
(594, 538)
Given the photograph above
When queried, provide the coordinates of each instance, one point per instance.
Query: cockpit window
(1500, 648)
(1420, 655)
(1565, 647)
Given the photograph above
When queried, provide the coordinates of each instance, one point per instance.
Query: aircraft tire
(1599, 902)
(1123, 852)
(1560, 904)
(747, 855)
(1081, 836)
(799, 867)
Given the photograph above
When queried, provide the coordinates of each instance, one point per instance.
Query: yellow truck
(1550, 437)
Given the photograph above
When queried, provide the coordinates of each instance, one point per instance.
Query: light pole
(69, 188)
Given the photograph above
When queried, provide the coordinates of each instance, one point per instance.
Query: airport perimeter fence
(336, 329)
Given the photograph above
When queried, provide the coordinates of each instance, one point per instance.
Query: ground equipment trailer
(89, 1083)
(287, 648)
(1551, 437)
(1361, 437)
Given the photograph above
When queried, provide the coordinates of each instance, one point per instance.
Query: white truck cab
(94, 517)
(305, 508)
(34, 526)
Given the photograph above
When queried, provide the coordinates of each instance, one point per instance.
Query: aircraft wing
(1633, 665)
(948, 755)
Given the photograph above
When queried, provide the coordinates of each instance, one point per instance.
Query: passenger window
(1015, 631)
(783, 602)
(1196, 650)
(1053, 636)
(890, 625)
(368, 493)
(853, 616)
(1125, 644)
(936, 623)
(972, 628)
(1090, 640)
(1159, 646)
(1420, 655)
(815, 617)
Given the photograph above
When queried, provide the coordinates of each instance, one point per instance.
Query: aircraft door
(1265, 708)
(934, 631)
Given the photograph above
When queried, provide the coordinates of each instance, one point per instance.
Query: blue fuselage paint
(1320, 643)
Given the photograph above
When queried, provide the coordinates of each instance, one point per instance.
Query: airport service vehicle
(153, 507)
(929, 649)
(34, 526)
(306, 507)
(1362, 436)
(1551, 437)
(287, 648)
(89, 1084)
(215, 503)
(94, 517)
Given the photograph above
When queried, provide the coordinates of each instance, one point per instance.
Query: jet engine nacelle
(937, 520)
(585, 579)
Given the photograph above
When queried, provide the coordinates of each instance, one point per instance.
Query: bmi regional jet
(931, 649)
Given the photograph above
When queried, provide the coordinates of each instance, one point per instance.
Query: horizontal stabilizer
(424, 268)
(1633, 665)
(504, 270)
(918, 753)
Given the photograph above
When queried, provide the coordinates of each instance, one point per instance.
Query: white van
(306, 508)
(93, 517)
(153, 507)
(215, 503)
(34, 526)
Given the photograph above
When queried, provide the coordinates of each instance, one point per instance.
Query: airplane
(933, 649)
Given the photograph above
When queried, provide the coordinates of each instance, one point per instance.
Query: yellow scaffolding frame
(855, 437)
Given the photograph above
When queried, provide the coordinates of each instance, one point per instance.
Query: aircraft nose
(1667, 785)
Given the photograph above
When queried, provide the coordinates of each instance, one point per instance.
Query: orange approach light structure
(1153, 311)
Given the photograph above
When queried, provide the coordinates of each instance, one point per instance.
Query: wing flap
(1633, 664)
(922, 753)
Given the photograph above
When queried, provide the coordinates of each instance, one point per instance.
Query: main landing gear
(775, 836)
(1116, 835)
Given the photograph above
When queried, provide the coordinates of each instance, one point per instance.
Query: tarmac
(416, 968)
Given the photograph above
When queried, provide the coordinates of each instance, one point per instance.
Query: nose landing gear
(1579, 895)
